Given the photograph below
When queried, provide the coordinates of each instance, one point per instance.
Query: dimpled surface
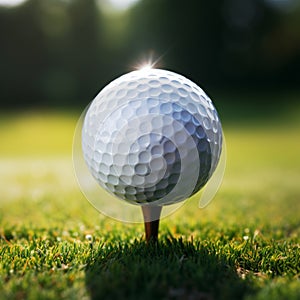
(152, 136)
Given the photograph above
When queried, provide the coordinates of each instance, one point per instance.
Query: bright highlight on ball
(152, 137)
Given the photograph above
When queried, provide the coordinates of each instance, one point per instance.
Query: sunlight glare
(147, 62)
(122, 4)
(145, 67)
(11, 2)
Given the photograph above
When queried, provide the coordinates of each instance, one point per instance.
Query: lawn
(244, 245)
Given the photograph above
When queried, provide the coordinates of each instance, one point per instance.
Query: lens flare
(145, 67)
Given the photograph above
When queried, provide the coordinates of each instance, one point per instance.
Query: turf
(55, 245)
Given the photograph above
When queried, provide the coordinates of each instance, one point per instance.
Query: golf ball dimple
(152, 136)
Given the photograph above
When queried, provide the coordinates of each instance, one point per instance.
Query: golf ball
(152, 136)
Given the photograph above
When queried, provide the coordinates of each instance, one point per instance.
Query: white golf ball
(152, 136)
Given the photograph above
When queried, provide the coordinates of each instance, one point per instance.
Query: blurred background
(56, 55)
(60, 53)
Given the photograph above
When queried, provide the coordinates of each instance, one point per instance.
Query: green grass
(244, 245)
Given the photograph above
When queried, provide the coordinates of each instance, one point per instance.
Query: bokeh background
(56, 55)
(60, 53)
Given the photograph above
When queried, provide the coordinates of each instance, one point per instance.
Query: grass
(54, 244)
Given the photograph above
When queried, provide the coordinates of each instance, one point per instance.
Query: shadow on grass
(172, 269)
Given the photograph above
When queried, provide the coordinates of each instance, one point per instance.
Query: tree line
(61, 53)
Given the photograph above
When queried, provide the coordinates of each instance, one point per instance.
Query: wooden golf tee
(151, 215)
